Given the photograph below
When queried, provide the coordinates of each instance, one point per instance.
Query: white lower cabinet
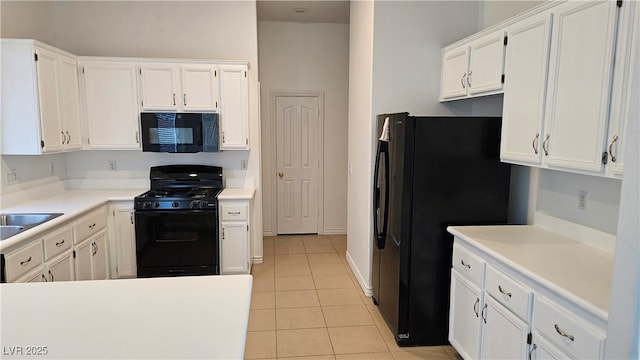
(464, 318)
(60, 268)
(91, 258)
(235, 252)
(544, 350)
(122, 238)
(504, 335)
(36, 276)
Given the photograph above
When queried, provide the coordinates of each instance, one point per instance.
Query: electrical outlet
(582, 200)
(243, 164)
(53, 169)
(12, 176)
(113, 165)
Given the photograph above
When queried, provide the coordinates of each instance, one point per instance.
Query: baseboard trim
(368, 291)
(257, 260)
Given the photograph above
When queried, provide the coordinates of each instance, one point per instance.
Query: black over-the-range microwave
(179, 132)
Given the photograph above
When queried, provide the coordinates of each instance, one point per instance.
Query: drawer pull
(233, 212)
(60, 243)
(533, 348)
(504, 292)
(468, 266)
(26, 261)
(92, 226)
(475, 306)
(562, 333)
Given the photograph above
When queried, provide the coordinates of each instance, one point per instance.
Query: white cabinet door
(61, 268)
(234, 248)
(99, 257)
(37, 276)
(464, 316)
(486, 64)
(579, 84)
(47, 69)
(527, 61)
(83, 261)
(504, 335)
(159, 87)
(199, 87)
(111, 100)
(69, 103)
(454, 72)
(542, 349)
(234, 107)
(124, 240)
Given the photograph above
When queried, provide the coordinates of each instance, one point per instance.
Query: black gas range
(177, 222)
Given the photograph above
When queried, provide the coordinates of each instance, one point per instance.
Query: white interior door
(297, 163)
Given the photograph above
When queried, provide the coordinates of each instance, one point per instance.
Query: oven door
(177, 132)
(177, 243)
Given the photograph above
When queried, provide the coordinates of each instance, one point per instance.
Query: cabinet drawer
(90, 225)
(233, 212)
(58, 242)
(567, 331)
(467, 264)
(23, 260)
(509, 293)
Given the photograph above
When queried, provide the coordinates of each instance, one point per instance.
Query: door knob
(280, 175)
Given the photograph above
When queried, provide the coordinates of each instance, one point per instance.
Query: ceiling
(330, 11)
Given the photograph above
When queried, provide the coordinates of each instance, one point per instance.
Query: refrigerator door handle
(381, 153)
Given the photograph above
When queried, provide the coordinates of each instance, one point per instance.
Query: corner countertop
(203, 317)
(573, 269)
(237, 194)
(71, 203)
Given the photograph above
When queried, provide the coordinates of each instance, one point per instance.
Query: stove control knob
(156, 204)
(175, 204)
(195, 204)
(146, 204)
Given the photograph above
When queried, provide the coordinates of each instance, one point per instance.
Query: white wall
(28, 20)
(494, 11)
(360, 133)
(299, 57)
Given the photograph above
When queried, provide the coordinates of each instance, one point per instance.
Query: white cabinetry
(90, 250)
(111, 104)
(234, 107)
(473, 69)
(580, 75)
(58, 255)
(235, 256)
(122, 239)
(23, 260)
(178, 87)
(527, 62)
(40, 112)
(464, 318)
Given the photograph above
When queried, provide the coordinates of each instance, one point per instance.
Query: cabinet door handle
(468, 266)
(484, 313)
(613, 141)
(535, 143)
(503, 291)
(174, 99)
(562, 333)
(545, 145)
(68, 137)
(137, 137)
(44, 278)
(533, 348)
(462, 80)
(64, 138)
(184, 99)
(469, 78)
(60, 243)
(475, 306)
(26, 261)
(94, 249)
(51, 275)
(131, 217)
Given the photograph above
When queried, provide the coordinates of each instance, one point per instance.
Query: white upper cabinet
(178, 87)
(234, 109)
(527, 62)
(40, 112)
(111, 104)
(473, 69)
(579, 86)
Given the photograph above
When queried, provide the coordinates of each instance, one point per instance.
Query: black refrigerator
(430, 172)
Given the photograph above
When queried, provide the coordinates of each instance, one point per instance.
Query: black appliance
(177, 222)
(179, 132)
(430, 172)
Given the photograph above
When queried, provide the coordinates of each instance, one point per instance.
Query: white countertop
(203, 317)
(579, 272)
(237, 194)
(71, 203)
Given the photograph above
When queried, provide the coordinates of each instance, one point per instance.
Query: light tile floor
(306, 304)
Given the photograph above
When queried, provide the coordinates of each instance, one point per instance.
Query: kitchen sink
(12, 224)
